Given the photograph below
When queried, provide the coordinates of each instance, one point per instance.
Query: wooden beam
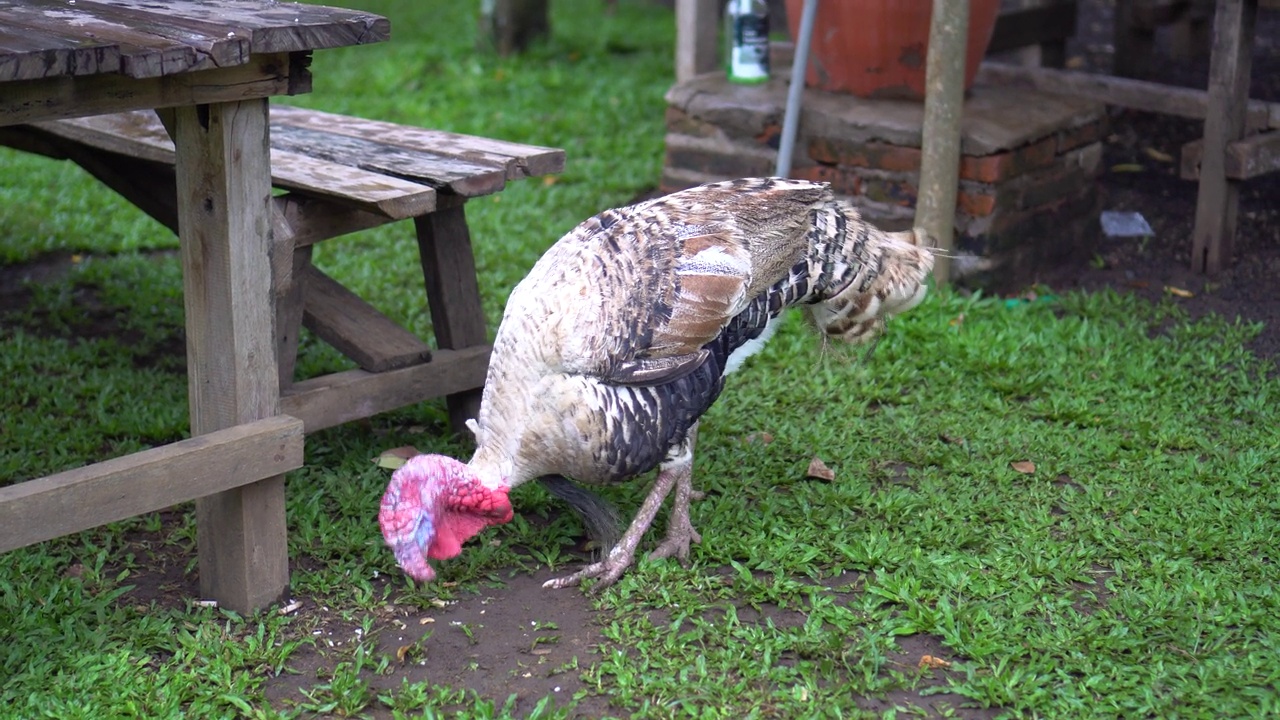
(943, 109)
(1217, 202)
(697, 27)
(224, 220)
(1248, 158)
(1124, 92)
(357, 329)
(65, 97)
(355, 394)
(453, 295)
(142, 482)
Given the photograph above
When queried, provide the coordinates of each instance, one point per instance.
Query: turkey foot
(680, 531)
(621, 556)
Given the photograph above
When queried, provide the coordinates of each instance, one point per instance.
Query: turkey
(620, 338)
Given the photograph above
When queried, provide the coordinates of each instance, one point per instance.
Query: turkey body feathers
(619, 338)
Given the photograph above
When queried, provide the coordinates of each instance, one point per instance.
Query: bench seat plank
(140, 134)
(460, 177)
(519, 160)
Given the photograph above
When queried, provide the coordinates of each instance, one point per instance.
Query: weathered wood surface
(518, 160)
(456, 176)
(146, 481)
(145, 39)
(391, 170)
(943, 111)
(453, 296)
(356, 328)
(223, 187)
(69, 97)
(1248, 158)
(1124, 92)
(356, 394)
(1218, 201)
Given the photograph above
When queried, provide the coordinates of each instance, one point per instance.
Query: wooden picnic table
(208, 68)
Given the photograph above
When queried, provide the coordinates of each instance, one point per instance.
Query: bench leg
(291, 268)
(223, 178)
(453, 295)
(1217, 201)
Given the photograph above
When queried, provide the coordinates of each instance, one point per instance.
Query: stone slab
(996, 117)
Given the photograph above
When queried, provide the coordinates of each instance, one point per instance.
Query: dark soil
(499, 642)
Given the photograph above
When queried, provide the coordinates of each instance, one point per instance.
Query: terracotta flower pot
(877, 48)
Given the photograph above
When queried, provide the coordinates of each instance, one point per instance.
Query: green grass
(1130, 575)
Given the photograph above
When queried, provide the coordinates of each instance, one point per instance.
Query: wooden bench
(338, 174)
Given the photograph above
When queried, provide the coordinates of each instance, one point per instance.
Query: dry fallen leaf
(1158, 156)
(931, 662)
(395, 458)
(763, 438)
(818, 469)
(425, 620)
(950, 439)
(1178, 291)
(541, 651)
(402, 652)
(1026, 467)
(957, 321)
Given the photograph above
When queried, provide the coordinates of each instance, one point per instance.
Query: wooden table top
(47, 39)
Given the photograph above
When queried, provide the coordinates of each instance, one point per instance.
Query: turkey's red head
(432, 505)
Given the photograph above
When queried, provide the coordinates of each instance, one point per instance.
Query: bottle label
(749, 58)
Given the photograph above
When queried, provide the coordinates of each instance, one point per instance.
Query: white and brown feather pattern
(619, 338)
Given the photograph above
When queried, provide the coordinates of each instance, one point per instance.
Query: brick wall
(1027, 195)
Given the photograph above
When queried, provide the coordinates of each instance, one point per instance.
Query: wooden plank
(30, 54)
(518, 159)
(461, 177)
(142, 482)
(304, 220)
(1217, 201)
(697, 28)
(943, 111)
(453, 295)
(140, 134)
(1124, 92)
(66, 97)
(1248, 158)
(224, 185)
(271, 26)
(355, 394)
(356, 328)
(150, 44)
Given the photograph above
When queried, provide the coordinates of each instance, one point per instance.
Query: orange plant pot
(877, 48)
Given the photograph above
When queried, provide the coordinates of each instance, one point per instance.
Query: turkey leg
(623, 554)
(680, 531)
(676, 471)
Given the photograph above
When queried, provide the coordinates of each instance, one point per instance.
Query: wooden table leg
(1214, 236)
(223, 175)
(453, 295)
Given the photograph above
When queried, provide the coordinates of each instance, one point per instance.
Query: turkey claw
(606, 572)
(677, 545)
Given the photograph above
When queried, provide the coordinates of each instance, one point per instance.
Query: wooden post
(224, 223)
(943, 107)
(453, 295)
(697, 27)
(1218, 199)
